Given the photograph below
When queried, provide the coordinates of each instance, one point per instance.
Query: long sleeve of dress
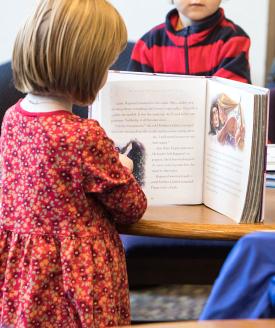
(110, 182)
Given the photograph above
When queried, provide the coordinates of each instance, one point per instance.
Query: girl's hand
(126, 161)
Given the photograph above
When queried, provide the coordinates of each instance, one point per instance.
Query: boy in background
(196, 39)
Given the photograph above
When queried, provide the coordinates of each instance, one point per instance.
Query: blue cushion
(148, 246)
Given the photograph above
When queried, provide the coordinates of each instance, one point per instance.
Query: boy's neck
(183, 22)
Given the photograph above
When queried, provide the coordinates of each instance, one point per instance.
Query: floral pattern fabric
(62, 263)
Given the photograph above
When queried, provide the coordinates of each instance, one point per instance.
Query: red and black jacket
(214, 46)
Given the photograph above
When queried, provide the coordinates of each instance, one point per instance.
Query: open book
(192, 139)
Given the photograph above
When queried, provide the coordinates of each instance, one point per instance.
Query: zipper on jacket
(186, 52)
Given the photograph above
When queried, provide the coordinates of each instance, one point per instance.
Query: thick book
(193, 140)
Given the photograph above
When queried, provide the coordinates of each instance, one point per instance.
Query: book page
(270, 157)
(228, 142)
(159, 123)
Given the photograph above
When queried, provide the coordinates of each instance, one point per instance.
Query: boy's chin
(197, 17)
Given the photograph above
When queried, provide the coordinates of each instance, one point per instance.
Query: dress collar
(44, 104)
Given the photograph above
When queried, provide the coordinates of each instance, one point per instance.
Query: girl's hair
(66, 47)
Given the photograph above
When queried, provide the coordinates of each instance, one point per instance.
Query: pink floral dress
(62, 263)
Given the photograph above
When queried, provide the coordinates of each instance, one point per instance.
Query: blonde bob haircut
(66, 48)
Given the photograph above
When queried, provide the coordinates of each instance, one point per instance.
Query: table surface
(198, 222)
(213, 324)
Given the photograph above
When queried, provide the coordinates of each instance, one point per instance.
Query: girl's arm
(1, 164)
(108, 180)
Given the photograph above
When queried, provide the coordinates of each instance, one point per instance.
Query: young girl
(196, 39)
(63, 185)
